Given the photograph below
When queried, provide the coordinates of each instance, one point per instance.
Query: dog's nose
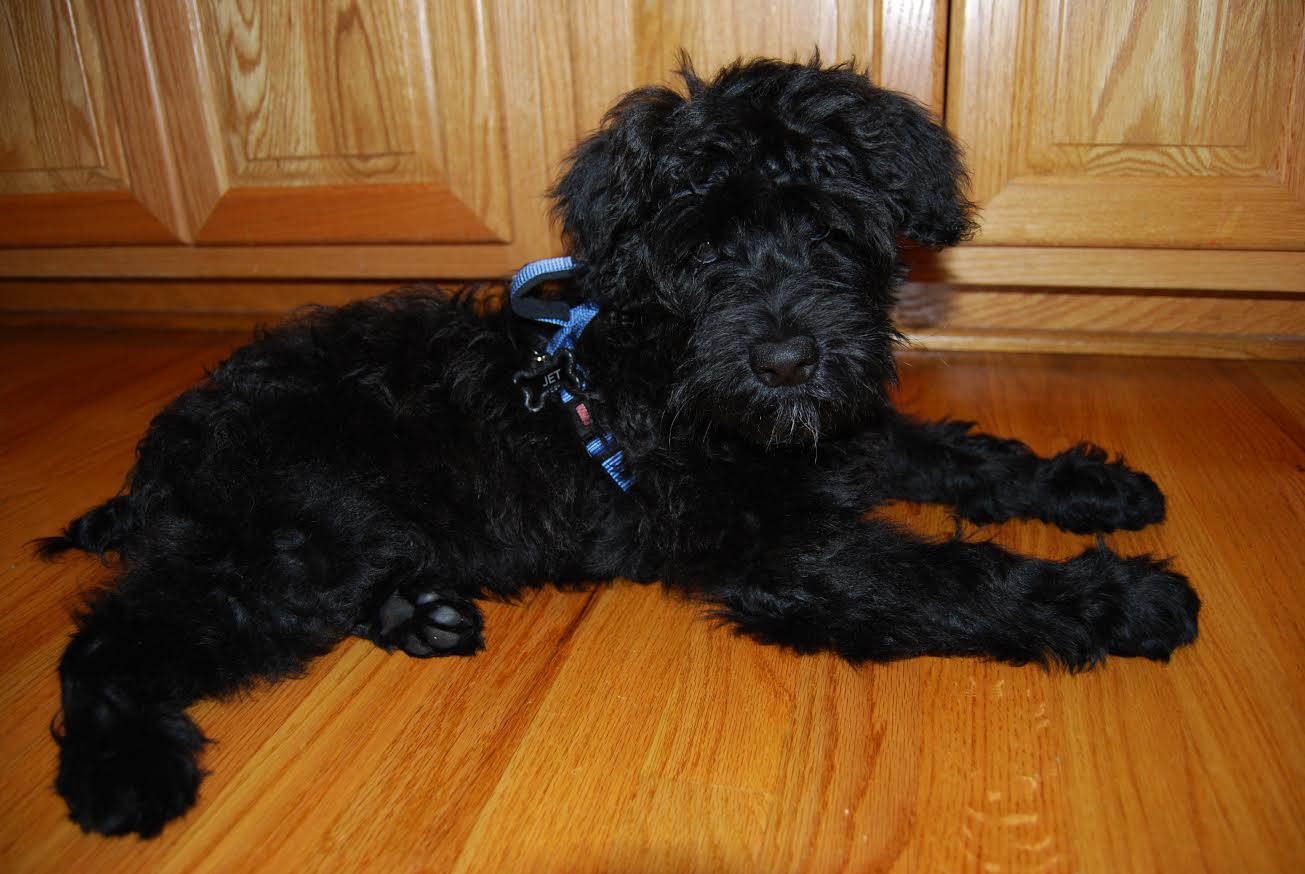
(790, 361)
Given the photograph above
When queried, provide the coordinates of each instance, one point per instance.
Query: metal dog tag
(548, 380)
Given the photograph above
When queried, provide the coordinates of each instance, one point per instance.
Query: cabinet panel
(342, 122)
(78, 146)
(1159, 124)
(49, 129)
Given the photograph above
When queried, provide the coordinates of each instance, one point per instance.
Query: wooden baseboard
(181, 297)
(1063, 267)
(974, 340)
(940, 317)
(93, 320)
(1110, 343)
(1039, 266)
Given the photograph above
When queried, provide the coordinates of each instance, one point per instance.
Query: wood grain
(396, 213)
(911, 50)
(618, 731)
(1063, 267)
(939, 306)
(1181, 270)
(131, 75)
(376, 122)
(83, 152)
(1195, 213)
(385, 123)
(1095, 131)
(218, 103)
(1287, 159)
(260, 299)
(1100, 124)
(78, 218)
(187, 107)
(1102, 343)
(49, 121)
(1189, 55)
(900, 44)
(302, 86)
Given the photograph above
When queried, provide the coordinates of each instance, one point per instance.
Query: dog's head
(757, 222)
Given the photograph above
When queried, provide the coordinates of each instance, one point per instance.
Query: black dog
(719, 424)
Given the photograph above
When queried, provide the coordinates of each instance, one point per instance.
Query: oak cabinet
(339, 122)
(1158, 124)
(1140, 165)
(1117, 147)
(225, 122)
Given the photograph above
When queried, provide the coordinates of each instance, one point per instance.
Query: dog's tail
(102, 529)
(128, 758)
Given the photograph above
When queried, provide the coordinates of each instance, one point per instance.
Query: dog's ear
(907, 155)
(608, 184)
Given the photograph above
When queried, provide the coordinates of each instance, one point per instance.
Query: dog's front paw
(1158, 610)
(1083, 492)
(427, 623)
(1144, 503)
(1119, 606)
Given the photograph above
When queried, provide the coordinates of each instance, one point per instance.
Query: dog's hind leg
(424, 620)
(185, 623)
(144, 651)
(991, 479)
(869, 591)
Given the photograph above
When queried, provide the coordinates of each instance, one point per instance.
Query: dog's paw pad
(394, 612)
(428, 624)
(446, 615)
(439, 638)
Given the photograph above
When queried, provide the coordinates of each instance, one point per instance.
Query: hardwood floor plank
(621, 731)
(851, 765)
(573, 780)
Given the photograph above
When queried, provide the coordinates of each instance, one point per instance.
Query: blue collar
(571, 320)
(554, 372)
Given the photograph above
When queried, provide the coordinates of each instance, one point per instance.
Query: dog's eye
(819, 233)
(705, 254)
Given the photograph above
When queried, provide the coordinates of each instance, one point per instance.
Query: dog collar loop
(554, 371)
(571, 320)
(554, 312)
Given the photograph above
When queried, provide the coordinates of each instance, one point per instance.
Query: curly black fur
(371, 469)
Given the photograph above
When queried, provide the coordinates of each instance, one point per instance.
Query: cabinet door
(335, 121)
(1165, 124)
(82, 152)
(417, 138)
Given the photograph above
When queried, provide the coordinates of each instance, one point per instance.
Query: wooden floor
(617, 731)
